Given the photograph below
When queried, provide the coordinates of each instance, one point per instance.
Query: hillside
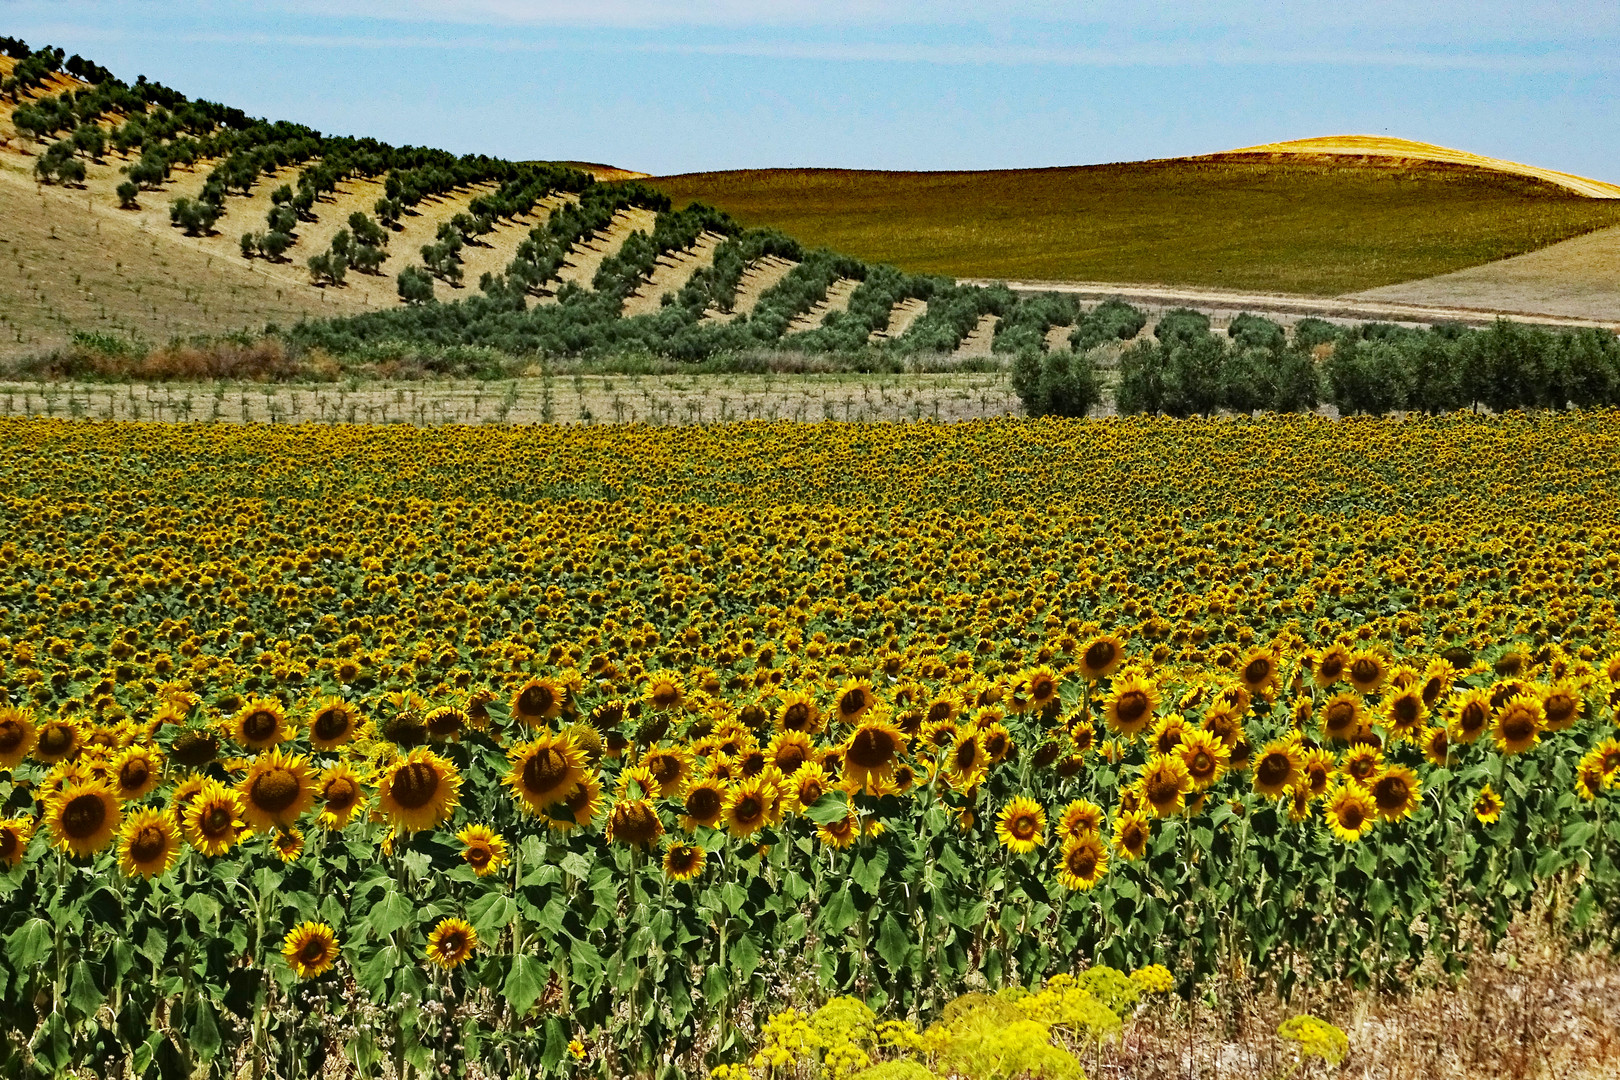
(1268, 222)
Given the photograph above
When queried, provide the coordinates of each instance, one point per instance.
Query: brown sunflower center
(10, 842)
(664, 767)
(1406, 710)
(1202, 763)
(313, 952)
(1098, 655)
(535, 700)
(810, 791)
(330, 724)
(1024, 826)
(1082, 861)
(1131, 707)
(796, 717)
(1257, 671)
(1391, 793)
(415, 785)
(274, 790)
(544, 770)
(216, 821)
(1351, 815)
(1273, 769)
(341, 793)
(1042, 689)
(637, 823)
(1364, 671)
(852, 702)
(453, 943)
(749, 809)
(83, 816)
(1134, 837)
(56, 739)
(149, 845)
(478, 856)
(1161, 788)
(1331, 667)
(1560, 708)
(1518, 726)
(789, 758)
(260, 725)
(134, 774)
(1472, 717)
(12, 734)
(665, 694)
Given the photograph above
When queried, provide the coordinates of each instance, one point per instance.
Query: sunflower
(544, 770)
(332, 723)
(1367, 671)
(1083, 863)
(840, 833)
(341, 792)
(1608, 752)
(135, 771)
(1164, 784)
(1361, 763)
(871, 753)
(706, 801)
(57, 740)
(1079, 818)
(276, 791)
(669, 767)
(798, 713)
(1041, 686)
(1168, 733)
(1330, 666)
(1487, 806)
(579, 808)
(683, 862)
(634, 822)
(1205, 756)
(1101, 656)
(444, 723)
(14, 836)
(1395, 792)
(1316, 771)
(311, 948)
(418, 791)
(997, 741)
(213, 819)
(789, 751)
(1436, 682)
(148, 843)
(1257, 670)
(260, 724)
(83, 817)
(18, 734)
(1589, 778)
(1436, 745)
(1470, 715)
(967, 763)
(665, 691)
(1132, 830)
(289, 844)
(1561, 705)
(748, 807)
(1299, 799)
(451, 942)
(1518, 723)
(1403, 713)
(1277, 768)
(1350, 812)
(1022, 825)
(1130, 703)
(483, 849)
(854, 700)
(537, 702)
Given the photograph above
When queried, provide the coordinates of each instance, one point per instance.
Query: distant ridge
(1378, 146)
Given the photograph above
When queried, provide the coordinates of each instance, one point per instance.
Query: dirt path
(1222, 303)
(1057, 338)
(979, 340)
(837, 299)
(901, 316)
(671, 273)
(759, 278)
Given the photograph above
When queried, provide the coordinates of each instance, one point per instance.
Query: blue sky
(665, 86)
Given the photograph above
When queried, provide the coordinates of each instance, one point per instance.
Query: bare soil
(837, 299)
(901, 316)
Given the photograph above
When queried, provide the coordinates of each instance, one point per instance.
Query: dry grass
(1379, 147)
(670, 274)
(838, 296)
(757, 279)
(567, 399)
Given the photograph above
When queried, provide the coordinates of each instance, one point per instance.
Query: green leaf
(576, 865)
(744, 956)
(893, 944)
(524, 983)
(490, 912)
(829, 808)
(203, 1031)
(391, 914)
(839, 913)
(29, 944)
(868, 872)
(1379, 898)
(206, 908)
(83, 993)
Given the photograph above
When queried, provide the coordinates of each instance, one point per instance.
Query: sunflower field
(582, 750)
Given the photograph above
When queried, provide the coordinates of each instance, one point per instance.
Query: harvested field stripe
(837, 299)
(671, 272)
(979, 339)
(901, 316)
(586, 258)
(1057, 338)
